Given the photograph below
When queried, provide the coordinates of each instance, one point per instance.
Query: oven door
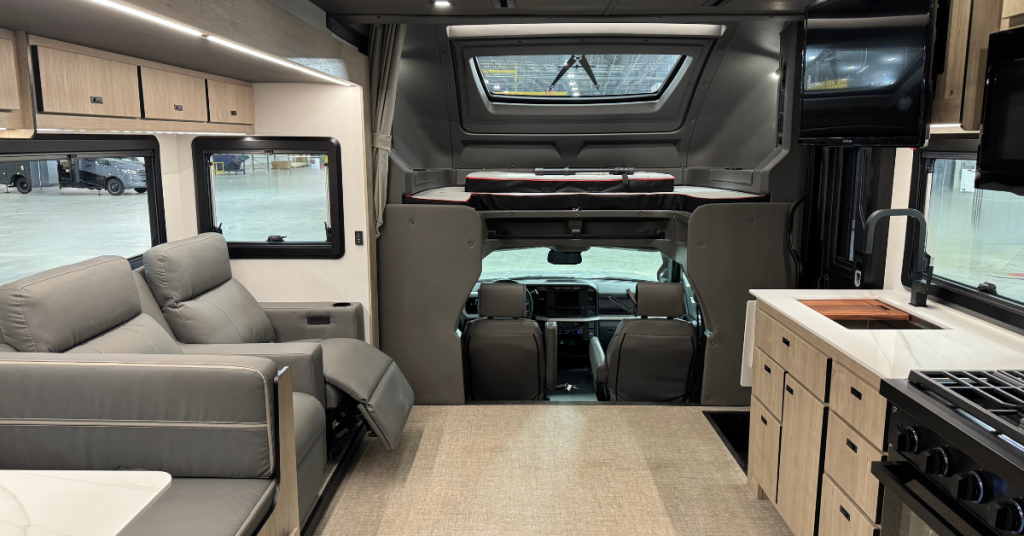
(915, 506)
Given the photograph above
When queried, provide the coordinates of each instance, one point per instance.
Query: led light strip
(224, 42)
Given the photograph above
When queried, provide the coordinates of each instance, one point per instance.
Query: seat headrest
(660, 299)
(178, 271)
(502, 300)
(56, 310)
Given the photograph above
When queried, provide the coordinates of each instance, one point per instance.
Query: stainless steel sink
(913, 323)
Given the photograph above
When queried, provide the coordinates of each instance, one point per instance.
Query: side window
(271, 197)
(67, 200)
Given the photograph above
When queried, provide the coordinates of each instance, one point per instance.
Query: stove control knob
(936, 462)
(970, 487)
(1010, 517)
(908, 441)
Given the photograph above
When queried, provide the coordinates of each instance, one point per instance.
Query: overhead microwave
(1001, 150)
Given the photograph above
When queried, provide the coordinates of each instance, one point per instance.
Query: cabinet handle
(856, 393)
(767, 369)
(785, 341)
(844, 512)
(179, 108)
(95, 100)
(852, 445)
(763, 420)
(234, 112)
(790, 390)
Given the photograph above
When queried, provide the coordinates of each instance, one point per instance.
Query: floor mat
(551, 469)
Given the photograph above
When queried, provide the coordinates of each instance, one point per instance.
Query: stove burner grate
(995, 398)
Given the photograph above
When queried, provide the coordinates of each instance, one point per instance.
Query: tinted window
(578, 75)
(598, 263)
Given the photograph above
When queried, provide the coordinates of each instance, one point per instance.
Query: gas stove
(956, 453)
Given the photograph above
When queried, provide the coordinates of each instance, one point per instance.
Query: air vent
(506, 4)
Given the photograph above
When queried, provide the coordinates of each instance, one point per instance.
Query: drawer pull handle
(767, 369)
(179, 108)
(95, 100)
(844, 512)
(234, 112)
(763, 420)
(785, 341)
(856, 393)
(790, 390)
(852, 445)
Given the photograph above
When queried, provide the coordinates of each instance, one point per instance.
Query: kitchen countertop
(966, 342)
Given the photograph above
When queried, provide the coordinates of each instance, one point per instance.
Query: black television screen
(865, 73)
(1001, 151)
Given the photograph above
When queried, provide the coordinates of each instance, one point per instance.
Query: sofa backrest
(202, 303)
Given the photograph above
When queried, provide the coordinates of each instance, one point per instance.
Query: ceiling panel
(91, 25)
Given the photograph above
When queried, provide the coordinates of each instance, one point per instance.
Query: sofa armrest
(296, 321)
(306, 359)
(191, 416)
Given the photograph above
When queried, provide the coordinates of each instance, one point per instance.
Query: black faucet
(921, 270)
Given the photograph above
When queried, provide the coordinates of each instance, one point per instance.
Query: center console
(574, 309)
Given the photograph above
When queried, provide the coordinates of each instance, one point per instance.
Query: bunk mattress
(680, 198)
(525, 182)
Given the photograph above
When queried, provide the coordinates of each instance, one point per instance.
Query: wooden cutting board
(856, 309)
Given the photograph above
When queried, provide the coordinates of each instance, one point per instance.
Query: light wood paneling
(800, 358)
(765, 332)
(1012, 8)
(230, 103)
(173, 96)
(985, 20)
(839, 517)
(774, 339)
(768, 383)
(9, 99)
(284, 519)
(763, 464)
(860, 405)
(848, 458)
(124, 125)
(800, 451)
(71, 82)
(949, 86)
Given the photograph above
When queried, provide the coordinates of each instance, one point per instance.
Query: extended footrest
(374, 380)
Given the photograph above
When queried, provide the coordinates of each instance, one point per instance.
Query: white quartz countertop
(75, 503)
(966, 342)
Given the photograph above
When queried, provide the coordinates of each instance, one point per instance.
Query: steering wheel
(529, 297)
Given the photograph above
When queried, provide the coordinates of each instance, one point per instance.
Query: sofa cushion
(206, 507)
(141, 335)
(181, 270)
(56, 310)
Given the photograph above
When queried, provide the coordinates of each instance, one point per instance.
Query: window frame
(954, 146)
(203, 146)
(62, 146)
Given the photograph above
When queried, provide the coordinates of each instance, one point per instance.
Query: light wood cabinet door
(230, 103)
(173, 96)
(83, 85)
(839, 517)
(860, 405)
(9, 99)
(768, 383)
(803, 428)
(763, 450)
(848, 458)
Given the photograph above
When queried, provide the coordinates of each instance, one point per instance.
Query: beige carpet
(550, 470)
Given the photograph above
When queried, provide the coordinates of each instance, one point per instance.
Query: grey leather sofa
(207, 421)
(208, 311)
(94, 307)
(648, 359)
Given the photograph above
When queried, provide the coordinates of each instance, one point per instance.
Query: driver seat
(503, 350)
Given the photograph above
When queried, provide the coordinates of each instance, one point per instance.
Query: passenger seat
(203, 304)
(648, 359)
(502, 351)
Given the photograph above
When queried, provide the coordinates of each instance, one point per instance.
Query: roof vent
(504, 4)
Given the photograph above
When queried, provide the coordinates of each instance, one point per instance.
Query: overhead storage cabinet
(84, 85)
(173, 96)
(8, 77)
(230, 103)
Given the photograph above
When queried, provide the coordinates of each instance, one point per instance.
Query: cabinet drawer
(769, 382)
(230, 103)
(794, 354)
(9, 99)
(83, 85)
(860, 405)
(773, 339)
(839, 516)
(848, 458)
(763, 462)
(173, 96)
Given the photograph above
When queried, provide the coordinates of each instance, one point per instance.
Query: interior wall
(901, 179)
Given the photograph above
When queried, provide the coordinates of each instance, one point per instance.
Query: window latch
(276, 238)
(327, 229)
(218, 229)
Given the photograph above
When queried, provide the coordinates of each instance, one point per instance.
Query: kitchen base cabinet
(839, 516)
(763, 472)
(800, 455)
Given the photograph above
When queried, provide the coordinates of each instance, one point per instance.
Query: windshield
(577, 75)
(598, 263)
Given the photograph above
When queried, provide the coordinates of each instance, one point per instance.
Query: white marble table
(75, 503)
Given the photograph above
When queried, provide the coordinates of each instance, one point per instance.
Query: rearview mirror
(564, 257)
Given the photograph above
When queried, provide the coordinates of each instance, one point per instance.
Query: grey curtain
(385, 53)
